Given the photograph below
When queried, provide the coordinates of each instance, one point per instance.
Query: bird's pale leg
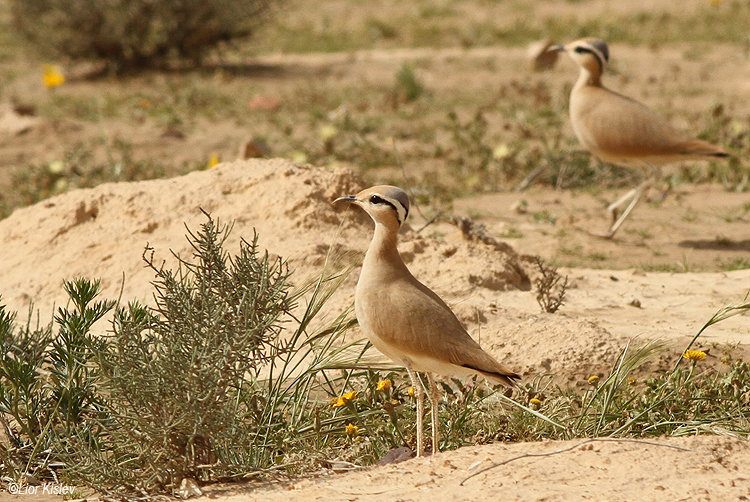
(642, 189)
(434, 396)
(612, 209)
(419, 392)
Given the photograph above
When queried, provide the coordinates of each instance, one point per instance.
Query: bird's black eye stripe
(583, 50)
(375, 199)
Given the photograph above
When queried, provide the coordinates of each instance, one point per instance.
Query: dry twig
(546, 286)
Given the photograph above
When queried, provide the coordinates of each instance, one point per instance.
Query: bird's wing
(625, 128)
(419, 322)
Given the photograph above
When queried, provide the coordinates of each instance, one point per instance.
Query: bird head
(384, 203)
(590, 53)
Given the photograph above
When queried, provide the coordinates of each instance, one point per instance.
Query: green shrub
(175, 374)
(131, 34)
(204, 385)
(408, 86)
(48, 381)
(201, 385)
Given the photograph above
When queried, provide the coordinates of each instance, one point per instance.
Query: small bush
(408, 86)
(200, 387)
(131, 34)
(175, 374)
(48, 382)
(550, 287)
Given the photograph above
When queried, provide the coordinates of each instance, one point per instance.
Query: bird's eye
(581, 49)
(377, 200)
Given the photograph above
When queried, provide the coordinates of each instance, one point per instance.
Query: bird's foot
(607, 235)
(614, 214)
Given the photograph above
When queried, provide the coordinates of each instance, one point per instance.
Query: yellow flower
(60, 185)
(352, 430)
(631, 381)
(213, 160)
(298, 157)
(412, 392)
(338, 402)
(56, 166)
(501, 151)
(593, 379)
(535, 403)
(52, 76)
(327, 132)
(384, 385)
(694, 355)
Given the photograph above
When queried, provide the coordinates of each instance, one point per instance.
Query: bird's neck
(588, 78)
(384, 248)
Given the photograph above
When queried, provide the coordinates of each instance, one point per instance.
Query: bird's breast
(583, 106)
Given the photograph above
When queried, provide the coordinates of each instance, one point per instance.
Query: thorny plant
(550, 287)
(25, 404)
(47, 382)
(176, 374)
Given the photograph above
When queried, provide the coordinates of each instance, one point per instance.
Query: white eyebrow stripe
(597, 53)
(401, 210)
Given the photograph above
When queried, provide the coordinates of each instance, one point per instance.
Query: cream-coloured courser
(404, 319)
(622, 131)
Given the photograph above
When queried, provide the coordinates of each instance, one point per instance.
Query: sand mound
(102, 232)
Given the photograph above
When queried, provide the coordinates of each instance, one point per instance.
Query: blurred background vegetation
(135, 34)
(136, 89)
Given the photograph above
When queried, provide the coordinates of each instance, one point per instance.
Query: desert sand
(102, 232)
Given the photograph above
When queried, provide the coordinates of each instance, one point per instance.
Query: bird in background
(622, 131)
(407, 321)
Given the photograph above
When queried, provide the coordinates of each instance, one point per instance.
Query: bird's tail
(699, 148)
(503, 376)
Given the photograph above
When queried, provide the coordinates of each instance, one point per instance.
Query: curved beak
(351, 199)
(555, 48)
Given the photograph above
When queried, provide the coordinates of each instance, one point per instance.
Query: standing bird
(622, 131)
(404, 319)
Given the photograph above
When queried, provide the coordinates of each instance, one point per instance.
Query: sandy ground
(702, 469)
(101, 233)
